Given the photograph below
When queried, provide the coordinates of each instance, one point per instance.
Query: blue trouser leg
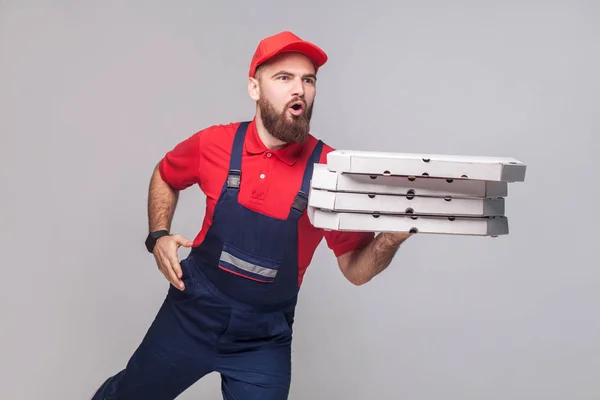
(178, 349)
(255, 357)
(199, 331)
(166, 363)
(260, 375)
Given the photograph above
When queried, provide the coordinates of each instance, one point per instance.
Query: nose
(298, 87)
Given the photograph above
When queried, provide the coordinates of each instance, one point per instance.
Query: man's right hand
(165, 253)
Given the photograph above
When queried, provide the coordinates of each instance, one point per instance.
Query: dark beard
(278, 125)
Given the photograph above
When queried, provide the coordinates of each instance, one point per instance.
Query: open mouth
(297, 108)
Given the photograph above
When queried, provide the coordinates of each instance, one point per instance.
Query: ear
(253, 89)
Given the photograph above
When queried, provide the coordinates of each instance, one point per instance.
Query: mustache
(297, 100)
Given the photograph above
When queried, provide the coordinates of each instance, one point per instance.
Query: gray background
(92, 94)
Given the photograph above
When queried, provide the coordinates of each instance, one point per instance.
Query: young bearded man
(230, 304)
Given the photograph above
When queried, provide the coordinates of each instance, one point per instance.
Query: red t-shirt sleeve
(343, 242)
(180, 166)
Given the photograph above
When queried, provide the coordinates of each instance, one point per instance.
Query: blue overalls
(236, 313)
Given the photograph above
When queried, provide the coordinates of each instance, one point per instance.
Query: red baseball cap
(283, 42)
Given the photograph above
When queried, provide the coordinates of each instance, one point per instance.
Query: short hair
(259, 70)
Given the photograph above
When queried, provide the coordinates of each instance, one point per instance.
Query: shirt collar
(254, 145)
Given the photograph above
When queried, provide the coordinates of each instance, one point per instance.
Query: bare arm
(162, 200)
(360, 266)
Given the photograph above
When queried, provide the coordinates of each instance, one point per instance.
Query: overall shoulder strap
(235, 161)
(301, 200)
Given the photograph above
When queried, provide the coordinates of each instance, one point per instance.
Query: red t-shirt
(271, 179)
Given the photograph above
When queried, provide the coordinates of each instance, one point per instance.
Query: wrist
(153, 237)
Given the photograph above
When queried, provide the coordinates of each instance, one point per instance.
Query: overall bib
(236, 313)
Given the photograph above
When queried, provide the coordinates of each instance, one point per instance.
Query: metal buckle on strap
(234, 178)
(300, 202)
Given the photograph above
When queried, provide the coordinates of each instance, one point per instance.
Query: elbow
(353, 271)
(358, 280)
(353, 274)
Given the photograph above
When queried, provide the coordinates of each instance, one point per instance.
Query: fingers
(165, 267)
(174, 263)
(174, 272)
(166, 257)
(182, 241)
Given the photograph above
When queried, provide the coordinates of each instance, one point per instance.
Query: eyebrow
(289, 73)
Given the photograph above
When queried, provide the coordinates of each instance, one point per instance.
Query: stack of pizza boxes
(416, 193)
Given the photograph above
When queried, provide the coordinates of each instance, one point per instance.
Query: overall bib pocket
(247, 265)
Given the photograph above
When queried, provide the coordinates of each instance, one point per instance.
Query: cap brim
(314, 52)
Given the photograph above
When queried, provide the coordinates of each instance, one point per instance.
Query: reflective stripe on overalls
(235, 315)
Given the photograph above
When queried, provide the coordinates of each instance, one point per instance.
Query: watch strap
(153, 237)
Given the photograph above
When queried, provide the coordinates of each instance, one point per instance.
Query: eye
(310, 81)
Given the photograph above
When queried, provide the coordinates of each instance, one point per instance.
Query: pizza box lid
(499, 169)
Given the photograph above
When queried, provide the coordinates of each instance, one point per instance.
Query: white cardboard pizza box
(325, 179)
(364, 222)
(398, 204)
(497, 169)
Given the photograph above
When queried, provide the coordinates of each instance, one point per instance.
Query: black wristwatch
(152, 237)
